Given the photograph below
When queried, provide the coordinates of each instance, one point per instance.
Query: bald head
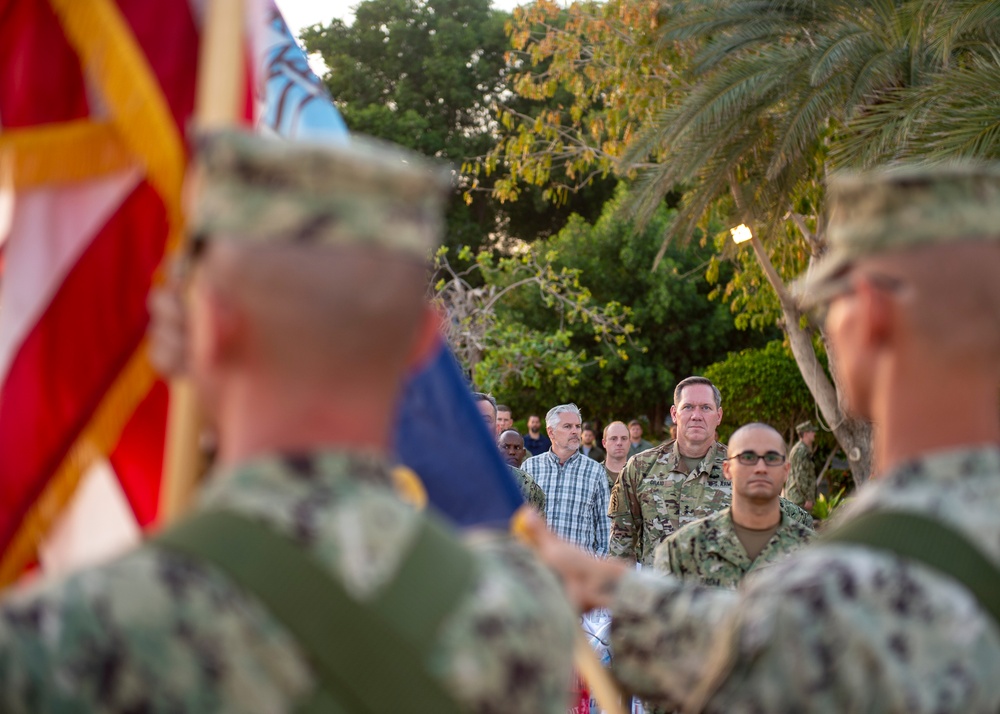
(752, 432)
(511, 446)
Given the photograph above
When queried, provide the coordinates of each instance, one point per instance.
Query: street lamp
(741, 233)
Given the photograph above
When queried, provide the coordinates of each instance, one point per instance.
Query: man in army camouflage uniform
(531, 491)
(912, 301)
(801, 489)
(306, 311)
(677, 482)
(749, 535)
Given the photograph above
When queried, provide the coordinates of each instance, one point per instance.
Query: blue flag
(440, 433)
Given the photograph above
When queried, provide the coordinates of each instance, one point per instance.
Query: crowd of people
(632, 500)
(303, 582)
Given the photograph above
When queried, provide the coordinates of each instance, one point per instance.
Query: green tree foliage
(497, 347)
(677, 329)
(762, 385)
(587, 77)
(428, 74)
(424, 75)
(421, 74)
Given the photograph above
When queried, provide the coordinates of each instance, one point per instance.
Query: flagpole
(219, 91)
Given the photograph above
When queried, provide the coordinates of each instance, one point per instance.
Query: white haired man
(576, 487)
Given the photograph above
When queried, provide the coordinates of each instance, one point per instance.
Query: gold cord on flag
(66, 152)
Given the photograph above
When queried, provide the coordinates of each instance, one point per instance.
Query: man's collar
(716, 452)
(575, 454)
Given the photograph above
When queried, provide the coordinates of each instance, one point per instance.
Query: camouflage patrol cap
(898, 209)
(361, 192)
(804, 427)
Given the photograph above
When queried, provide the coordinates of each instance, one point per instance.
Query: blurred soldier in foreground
(801, 488)
(851, 625)
(749, 535)
(301, 582)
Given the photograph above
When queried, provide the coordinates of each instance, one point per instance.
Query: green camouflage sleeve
(531, 491)
(626, 526)
(152, 632)
(801, 636)
(663, 634)
(796, 513)
(802, 477)
(669, 557)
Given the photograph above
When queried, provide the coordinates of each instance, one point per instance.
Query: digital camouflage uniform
(654, 497)
(710, 553)
(801, 487)
(156, 631)
(531, 491)
(832, 628)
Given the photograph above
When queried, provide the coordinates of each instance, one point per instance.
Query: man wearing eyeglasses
(753, 532)
(675, 483)
(897, 609)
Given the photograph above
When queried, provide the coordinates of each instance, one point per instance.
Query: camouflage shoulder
(644, 460)
(517, 621)
(797, 513)
(800, 530)
(530, 489)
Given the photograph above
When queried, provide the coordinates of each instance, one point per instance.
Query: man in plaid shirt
(576, 488)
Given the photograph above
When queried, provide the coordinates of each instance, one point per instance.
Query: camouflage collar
(296, 475)
(710, 465)
(728, 543)
(555, 459)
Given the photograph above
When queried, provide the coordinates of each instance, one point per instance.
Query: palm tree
(775, 91)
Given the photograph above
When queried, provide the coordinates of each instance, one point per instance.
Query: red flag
(94, 100)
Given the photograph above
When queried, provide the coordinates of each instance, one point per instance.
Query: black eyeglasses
(750, 458)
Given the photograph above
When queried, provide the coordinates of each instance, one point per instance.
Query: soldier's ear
(876, 311)
(725, 470)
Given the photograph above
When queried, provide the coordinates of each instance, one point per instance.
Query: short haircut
(484, 397)
(697, 380)
(605, 434)
(751, 426)
(504, 408)
(635, 422)
(552, 418)
(510, 431)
